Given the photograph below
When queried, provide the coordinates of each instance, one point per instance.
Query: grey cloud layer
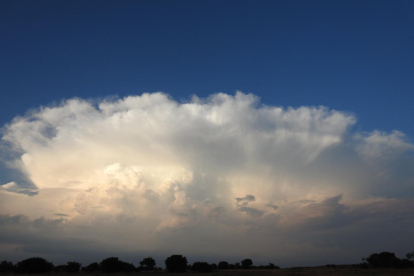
(158, 174)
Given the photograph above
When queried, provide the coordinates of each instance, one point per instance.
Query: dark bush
(407, 263)
(246, 263)
(383, 259)
(93, 267)
(272, 266)
(402, 263)
(201, 267)
(147, 263)
(127, 267)
(176, 263)
(60, 268)
(223, 265)
(237, 266)
(34, 265)
(73, 267)
(6, 267)
(112, 265)
(232, 266)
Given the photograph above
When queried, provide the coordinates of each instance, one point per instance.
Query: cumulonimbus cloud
(223, 165)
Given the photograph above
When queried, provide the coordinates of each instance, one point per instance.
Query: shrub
(73, 267)
(60, 268)
(148, 263)
(6, 267)
(201, 267)
(93, 267)
(34, 265)
(383, 259)
(176, 263)
(402, 263)
(246, 263)
(127, 267)
(223, 265)
(272, 266)
(112, 265)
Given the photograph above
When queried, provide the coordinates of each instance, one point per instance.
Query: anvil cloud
(224, 177)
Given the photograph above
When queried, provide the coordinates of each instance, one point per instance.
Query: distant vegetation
(178, 264)
(388, 259)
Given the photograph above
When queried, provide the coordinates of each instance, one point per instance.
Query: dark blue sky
(353, 56)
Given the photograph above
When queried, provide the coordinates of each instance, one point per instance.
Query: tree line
(178, 263)
(174, 263)
(388, 259)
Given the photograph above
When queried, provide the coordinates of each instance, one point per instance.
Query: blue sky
(353, 56)
(106, 170)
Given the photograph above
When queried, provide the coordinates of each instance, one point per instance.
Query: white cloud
(10, 187)
(13, 187)
(170, 173)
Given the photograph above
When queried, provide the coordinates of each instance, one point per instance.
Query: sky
(279, 131)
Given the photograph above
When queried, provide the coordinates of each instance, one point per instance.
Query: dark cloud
(272, 206)
(253, 212)
(61, 215)
(13, 187)
(244, 201)
(18, 220)
(216, 211)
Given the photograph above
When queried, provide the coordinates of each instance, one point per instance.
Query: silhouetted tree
(232, 266)
(213, 266)
(93, 267)
(73, 267)
(147, 263)
(127, 267)
(383, 259)
(6, 267)
(223, 265)
(176, 263)
(272, 266)
(410, 256)
(246, 263)
(60, 268)
(402, 263)
(237, 266)
(112, 265)
(34, 265)
(201, 267)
